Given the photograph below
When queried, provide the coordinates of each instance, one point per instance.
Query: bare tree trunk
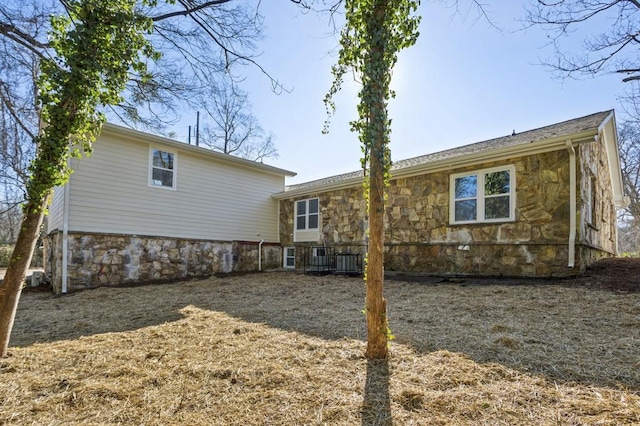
(376, 306)
(11, 286)
(375, 303)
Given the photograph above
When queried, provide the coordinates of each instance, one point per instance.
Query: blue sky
(463, 82)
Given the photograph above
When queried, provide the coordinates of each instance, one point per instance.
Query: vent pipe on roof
(198, 128)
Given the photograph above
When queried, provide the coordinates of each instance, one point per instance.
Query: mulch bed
(615, 274)
(284, 348)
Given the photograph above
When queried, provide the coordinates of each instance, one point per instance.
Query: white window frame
(319, 252)
(307, 234)
(480, 197)
(592, 201)
(174, 170)
(306, 215)
(285, 257)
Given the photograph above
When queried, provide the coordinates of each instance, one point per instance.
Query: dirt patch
(615, 274)
(282, 348)
(620, 274)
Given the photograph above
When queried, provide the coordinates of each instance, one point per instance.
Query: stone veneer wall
(419, 238)
(103, 259)
(600, 235)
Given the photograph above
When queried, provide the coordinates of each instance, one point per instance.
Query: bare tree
(202, 41)
(232, 128)
(629, 218)
(613, 48)
(23, 27)
(22, 47)
(73, 106)
(9, 222)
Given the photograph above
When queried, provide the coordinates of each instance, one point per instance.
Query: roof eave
(608, 128)
(347, 183)
(533, 147)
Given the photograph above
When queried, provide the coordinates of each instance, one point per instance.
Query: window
(162, 173)
(289, 257)
(483, 196)
(319, 251)
(592, 201)
(307, 214)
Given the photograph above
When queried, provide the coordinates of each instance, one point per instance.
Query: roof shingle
(569, 127)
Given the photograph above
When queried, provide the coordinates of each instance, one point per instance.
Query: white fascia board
(347, 183)
(609, 130)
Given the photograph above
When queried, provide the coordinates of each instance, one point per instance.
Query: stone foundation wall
(510, 260)
(586, 255)
(98, 259)
(246, 256)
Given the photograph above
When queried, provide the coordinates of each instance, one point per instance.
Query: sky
(464, 81)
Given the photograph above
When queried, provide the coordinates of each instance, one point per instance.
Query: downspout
(65, 233)
(260, 256)
(572, 204)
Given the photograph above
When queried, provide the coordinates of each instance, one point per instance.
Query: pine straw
(282, 349)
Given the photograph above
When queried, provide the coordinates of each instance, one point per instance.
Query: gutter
(65, 235)
(572, 203)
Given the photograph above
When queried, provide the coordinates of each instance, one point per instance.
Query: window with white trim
(591, 201)
(319, 251)
(307, 214)
(162, 169)
(486, 195)
(289, 257)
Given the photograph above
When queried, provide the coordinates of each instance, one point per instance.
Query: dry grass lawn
(287, 349)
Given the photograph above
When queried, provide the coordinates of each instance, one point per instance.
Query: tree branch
(189, 10)
(12, 33)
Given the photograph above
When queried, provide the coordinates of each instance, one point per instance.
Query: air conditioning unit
(36, 278)
(321, 260)
(347, 264)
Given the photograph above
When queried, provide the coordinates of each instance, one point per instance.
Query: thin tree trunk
(11, 286)
(375, 303)
(376, 306)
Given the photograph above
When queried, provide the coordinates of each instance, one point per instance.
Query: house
(537, 203)
(144, 208)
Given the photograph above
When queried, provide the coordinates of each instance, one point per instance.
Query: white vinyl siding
(480, 196)
(214, 200)
(54, 216)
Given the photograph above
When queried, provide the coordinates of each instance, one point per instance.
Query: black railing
(325, 260)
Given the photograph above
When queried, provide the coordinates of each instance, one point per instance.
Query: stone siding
(484, 259)
(596, 194)
(104, 259)
(419, 237)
